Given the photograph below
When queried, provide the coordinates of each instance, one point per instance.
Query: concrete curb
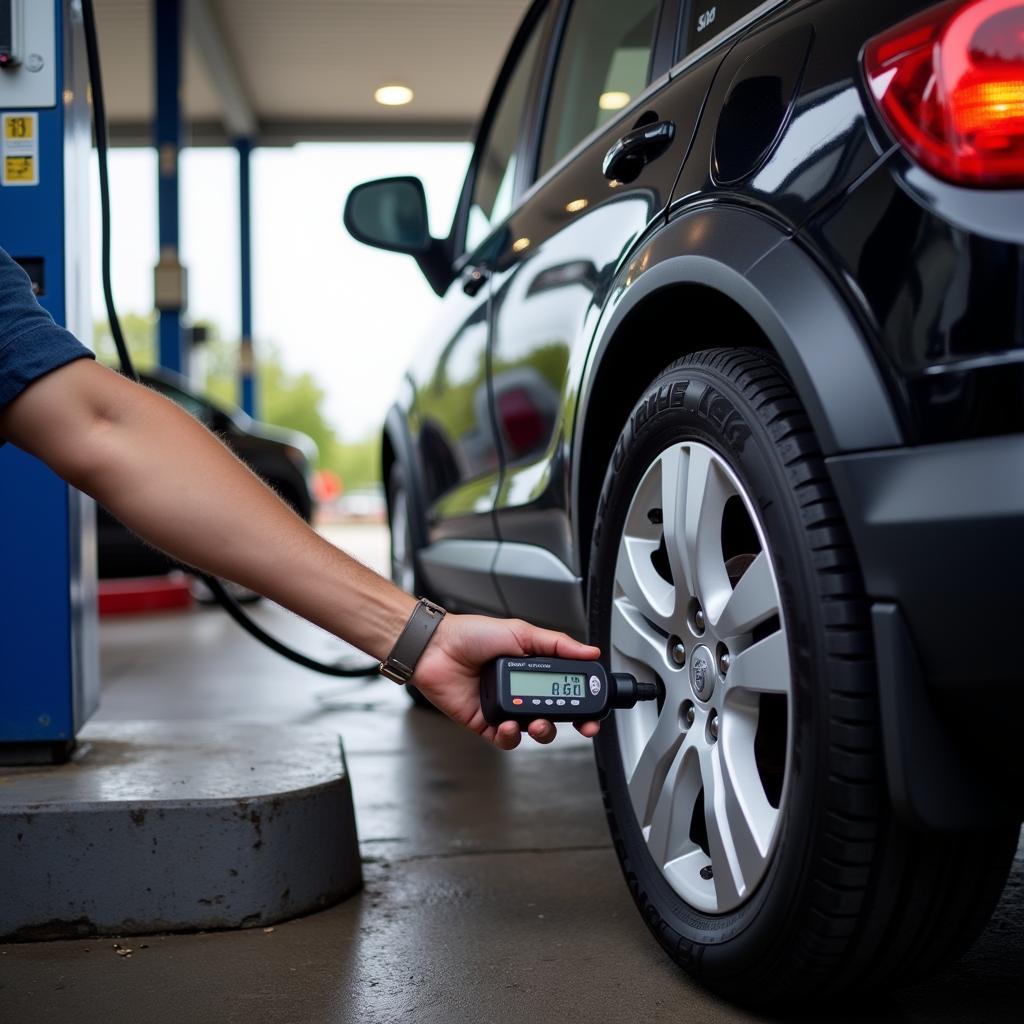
(176, 826)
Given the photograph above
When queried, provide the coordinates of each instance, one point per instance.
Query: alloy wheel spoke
(672, 811)
(699, 552)
(753, 600)
(751, 817)
(739, 829)
(656, 761)
(674, 465)
(763, 667)
(635, 638)
(636, 578)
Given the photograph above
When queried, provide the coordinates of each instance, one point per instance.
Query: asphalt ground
(492, 893)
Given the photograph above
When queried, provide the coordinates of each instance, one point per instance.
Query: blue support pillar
(169, 288)
(246, 359)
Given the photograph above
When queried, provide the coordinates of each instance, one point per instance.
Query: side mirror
(391, 214)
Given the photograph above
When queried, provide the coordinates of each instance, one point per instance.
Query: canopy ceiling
(295, 70)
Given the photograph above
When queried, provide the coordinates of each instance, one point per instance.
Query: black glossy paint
(546, 298)
(757, 104)
(779, 214)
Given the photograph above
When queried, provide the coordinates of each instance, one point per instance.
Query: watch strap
(412, 641)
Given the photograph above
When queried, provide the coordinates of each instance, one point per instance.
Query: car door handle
(636, 149)
(475, 280)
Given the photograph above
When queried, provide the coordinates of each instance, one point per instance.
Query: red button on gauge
(517, 700)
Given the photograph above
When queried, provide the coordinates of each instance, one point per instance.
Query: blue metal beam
(246, 361)
(173, 351)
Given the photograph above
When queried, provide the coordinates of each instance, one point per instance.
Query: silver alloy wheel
(402, 569)
(698, 748)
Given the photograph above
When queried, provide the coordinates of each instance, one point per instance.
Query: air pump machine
(49, 672)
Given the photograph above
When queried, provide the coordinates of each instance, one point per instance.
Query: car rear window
(706, 20)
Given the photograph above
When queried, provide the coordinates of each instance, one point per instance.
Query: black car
(729, 375)
(285, 459)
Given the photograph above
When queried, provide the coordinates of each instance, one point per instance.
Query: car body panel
(818, 119)
(948, 329)
(575, 232)
(450, 420)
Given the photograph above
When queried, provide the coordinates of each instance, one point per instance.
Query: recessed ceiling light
(393, 95)
(613, 100)
(521, 245)
(575, 205)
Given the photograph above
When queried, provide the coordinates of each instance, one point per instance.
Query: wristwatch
(400, 664)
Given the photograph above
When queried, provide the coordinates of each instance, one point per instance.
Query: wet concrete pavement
(492, 893)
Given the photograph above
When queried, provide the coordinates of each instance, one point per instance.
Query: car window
(494, 186)
(602, 66)
(706, 20)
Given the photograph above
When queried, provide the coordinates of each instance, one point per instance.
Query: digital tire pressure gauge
(520, 689)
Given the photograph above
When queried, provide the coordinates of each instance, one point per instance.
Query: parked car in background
(366, 504)
(285, 459)
(729, 374)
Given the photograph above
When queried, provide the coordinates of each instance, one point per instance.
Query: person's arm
(171, 481)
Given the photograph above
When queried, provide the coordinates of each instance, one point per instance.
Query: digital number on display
(547, 684)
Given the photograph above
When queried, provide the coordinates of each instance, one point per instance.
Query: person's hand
(448, 673)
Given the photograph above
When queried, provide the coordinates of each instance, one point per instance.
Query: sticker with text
(19, 149)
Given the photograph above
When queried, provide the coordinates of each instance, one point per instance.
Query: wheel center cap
(702, 673)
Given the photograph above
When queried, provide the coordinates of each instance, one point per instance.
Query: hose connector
(628, 691)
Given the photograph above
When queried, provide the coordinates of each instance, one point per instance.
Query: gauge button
(560, 702)
(595, 685)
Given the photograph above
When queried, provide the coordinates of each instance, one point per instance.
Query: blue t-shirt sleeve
(31, 344)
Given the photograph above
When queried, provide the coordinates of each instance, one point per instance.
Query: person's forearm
(168, 479)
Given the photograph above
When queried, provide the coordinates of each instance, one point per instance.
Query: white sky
(349, 314)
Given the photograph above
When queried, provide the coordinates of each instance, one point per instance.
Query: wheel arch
(724, 276)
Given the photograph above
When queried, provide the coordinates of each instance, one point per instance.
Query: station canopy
(286, 71)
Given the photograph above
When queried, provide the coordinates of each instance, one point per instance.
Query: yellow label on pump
(19, 149)
(19, 126)
(19, 168)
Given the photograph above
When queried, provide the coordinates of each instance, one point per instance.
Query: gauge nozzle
(628, 691)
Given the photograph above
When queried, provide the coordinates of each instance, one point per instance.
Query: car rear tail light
(950, 86)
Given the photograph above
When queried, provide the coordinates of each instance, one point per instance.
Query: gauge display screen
(547, 684)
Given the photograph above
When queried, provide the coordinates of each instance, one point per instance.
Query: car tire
(843, 897)
(403, 550)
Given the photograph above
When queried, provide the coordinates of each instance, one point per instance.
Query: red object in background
(326, 486)
(144, 594)
(520, 420)
(950, 85)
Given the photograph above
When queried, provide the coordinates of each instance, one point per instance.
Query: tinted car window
(494, 187)
(602, 65)
(706, 20)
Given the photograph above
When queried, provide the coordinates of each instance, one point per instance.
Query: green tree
(139, 331)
